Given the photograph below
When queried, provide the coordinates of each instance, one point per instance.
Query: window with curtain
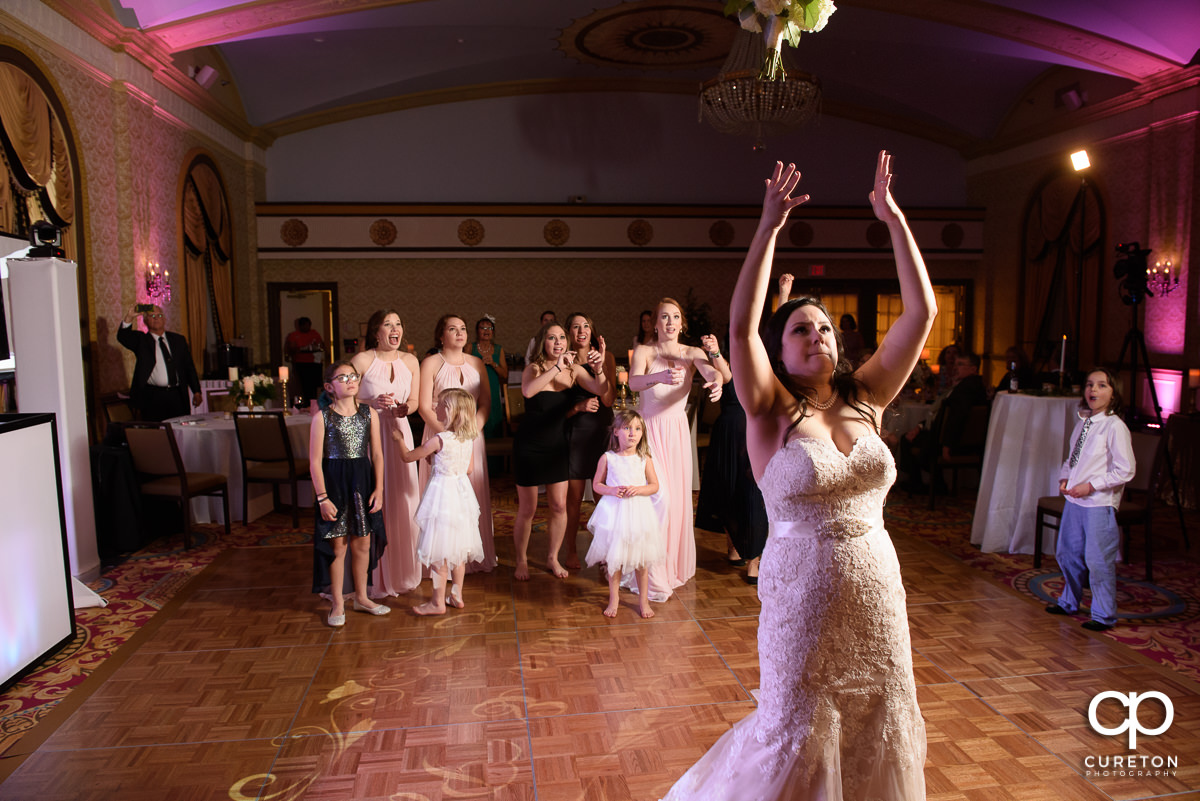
(37, 177)
(207, 265)
(947, 326)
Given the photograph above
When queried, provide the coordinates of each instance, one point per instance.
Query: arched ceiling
(948, 70)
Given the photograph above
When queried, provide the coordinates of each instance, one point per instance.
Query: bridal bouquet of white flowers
(780, 20)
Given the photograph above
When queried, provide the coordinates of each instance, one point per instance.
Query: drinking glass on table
(298, 402)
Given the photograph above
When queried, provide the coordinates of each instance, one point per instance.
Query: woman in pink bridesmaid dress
(662, 373)
(454, 367)
(387, 387)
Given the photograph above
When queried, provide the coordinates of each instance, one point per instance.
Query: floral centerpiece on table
(253, 390)
(780, 20)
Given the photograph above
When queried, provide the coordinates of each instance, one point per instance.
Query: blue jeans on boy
(1088, 538)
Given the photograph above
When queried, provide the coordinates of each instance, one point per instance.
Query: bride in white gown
(837, 715)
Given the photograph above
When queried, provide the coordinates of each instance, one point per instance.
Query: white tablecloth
(900, 418)
(1026, 444)
(208, 444)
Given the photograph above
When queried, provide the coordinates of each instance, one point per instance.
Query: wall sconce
(1164, 278)
(158, 284)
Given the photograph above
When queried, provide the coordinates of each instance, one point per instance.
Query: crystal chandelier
(740, 101)
(158, 284)
(1163, 280)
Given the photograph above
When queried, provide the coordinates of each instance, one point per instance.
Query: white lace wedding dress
(837, 715)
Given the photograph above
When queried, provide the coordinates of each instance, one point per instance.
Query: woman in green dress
(493, 357)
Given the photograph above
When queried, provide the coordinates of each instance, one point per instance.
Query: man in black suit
(920, 447)
(164, 371)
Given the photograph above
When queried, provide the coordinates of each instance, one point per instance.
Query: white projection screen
(36, 614)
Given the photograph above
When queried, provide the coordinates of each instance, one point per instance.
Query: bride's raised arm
(886, 371)
(756, 384)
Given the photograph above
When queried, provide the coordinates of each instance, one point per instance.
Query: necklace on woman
(828, 404)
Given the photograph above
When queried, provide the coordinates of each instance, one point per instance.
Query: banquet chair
(267, 458)
(514, 407)
(161, 472)
(972, 441)
(116, 409)
(220, 400)
(1150, 454)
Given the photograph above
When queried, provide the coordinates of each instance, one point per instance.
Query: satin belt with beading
(840, 528)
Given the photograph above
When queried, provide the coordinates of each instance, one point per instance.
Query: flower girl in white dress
(627, 529)
(448, 516)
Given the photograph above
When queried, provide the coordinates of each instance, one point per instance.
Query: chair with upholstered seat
(161, 472)
(970, 451)
(1137, 505)
(267, 458)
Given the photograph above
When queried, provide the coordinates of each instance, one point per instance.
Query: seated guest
(919, 448)
(163, 372)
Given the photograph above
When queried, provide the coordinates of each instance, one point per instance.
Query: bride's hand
(882, 202)
(778, 202)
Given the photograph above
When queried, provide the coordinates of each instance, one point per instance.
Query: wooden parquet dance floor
(239, 691)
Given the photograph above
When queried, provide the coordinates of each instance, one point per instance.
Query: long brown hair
(539, 354)
(377, 320)
(439, 327)
(844, 381)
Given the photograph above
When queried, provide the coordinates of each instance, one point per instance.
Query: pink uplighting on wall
(1165, 319)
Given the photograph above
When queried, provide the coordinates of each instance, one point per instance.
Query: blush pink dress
(663, 407)
(399, 570)
(465, 377)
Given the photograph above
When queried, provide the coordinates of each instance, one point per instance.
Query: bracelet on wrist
(716, 354)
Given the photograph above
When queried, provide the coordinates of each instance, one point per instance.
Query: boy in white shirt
(1093, 478)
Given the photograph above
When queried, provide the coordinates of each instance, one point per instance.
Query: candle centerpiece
(253, 390)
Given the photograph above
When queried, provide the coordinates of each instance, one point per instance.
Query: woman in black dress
(587, 425)
(540, 454)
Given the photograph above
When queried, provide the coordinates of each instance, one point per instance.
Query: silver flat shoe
(378, 609)
(337, 621)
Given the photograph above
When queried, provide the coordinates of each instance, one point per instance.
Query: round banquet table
(1026, 444)
(208, 444)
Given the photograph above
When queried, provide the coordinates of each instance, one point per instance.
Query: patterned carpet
(1160, 621)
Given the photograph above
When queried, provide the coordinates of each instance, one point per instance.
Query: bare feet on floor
(645, 611)
(558, 570)
(429, 608)
(454, 598)
(521, 573)
(611, 609)
(572, 562)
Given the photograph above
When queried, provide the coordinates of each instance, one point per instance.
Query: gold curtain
(25, 115)
(207, 251)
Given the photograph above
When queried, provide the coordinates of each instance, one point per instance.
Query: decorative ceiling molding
(1107, 54)
(1158, 87)
(460, 94)
(148, 52)
(668, 34)
(231, 23)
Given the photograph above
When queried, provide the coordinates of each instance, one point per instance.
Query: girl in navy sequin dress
(346, 457)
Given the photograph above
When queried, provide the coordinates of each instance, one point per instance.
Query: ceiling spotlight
(1079, 160)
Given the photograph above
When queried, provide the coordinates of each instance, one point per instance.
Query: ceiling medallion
(659, 35)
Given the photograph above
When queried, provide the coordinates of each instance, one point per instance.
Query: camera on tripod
(1132, 269)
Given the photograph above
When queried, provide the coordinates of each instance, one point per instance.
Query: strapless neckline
(830, 444)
